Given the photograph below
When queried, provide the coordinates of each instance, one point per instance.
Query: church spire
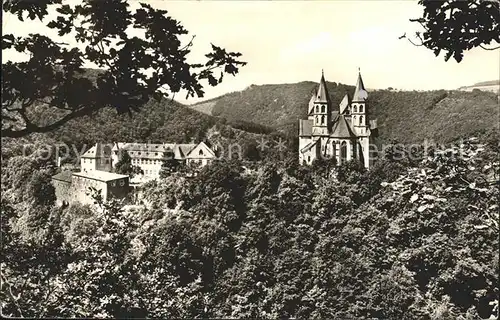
(322, 94)
(360, 93)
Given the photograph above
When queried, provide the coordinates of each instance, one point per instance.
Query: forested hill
(407, 116)
(155, 122)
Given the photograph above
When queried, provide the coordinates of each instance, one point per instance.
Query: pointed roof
(344, 103)
(311, 104)
(202, 145)
(360, 93)
(99, 150)
(322, 93)
(341, 128)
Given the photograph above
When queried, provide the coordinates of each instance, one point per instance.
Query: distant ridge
(405, 116)
(492, 86)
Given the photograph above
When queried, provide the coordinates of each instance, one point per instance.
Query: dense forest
(158, 121)
(405, 116)
(413, 238)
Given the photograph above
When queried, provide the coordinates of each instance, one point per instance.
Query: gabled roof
(63, 176)
(98, 150)
(341, 128)
(202, 145)
(309, 146)
(360, 93)
(186, 148)
(344, 103)
(322, 93)
(305, 127)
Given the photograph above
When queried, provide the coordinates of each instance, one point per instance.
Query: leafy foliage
(456, 26)
(133, 68)
(124, 165)
(413, 240)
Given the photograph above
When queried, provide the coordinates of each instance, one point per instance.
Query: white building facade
(342, 133)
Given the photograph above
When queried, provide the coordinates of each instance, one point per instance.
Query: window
(107, 161)
(317, 109)
(323, 109)
(361, 120)
(360, 108)
(122, 183)
(201, 152)
(113, 183)
(322, 119)
(308, 158)
(355, 109)
(343, 152)
(317, 119)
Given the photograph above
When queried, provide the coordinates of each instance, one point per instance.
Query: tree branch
(495, 48)
(31, 128)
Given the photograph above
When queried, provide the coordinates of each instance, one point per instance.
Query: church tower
(360, 121)
(343, 134)
(321, 109)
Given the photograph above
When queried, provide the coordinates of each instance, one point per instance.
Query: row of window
(342, 145)
(320, 120)
(323, 109)
(120, 182)
(361, 119)
(146, 161)
(355, 109)
(98, 161)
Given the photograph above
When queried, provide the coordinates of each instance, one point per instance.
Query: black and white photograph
(210, 159)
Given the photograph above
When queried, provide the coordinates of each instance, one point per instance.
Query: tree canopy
(140, 54)
(456, 26)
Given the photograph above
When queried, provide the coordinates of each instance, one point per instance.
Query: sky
(292, 41)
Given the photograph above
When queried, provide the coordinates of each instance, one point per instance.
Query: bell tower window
(361, 120)
(355, 108)
(322, 119)
(322, 109)
(360, 108)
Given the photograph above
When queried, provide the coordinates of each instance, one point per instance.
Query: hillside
(491, 86)
(157, 122)
(407, 116)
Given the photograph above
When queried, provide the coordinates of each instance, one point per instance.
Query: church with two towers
(342, 133)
